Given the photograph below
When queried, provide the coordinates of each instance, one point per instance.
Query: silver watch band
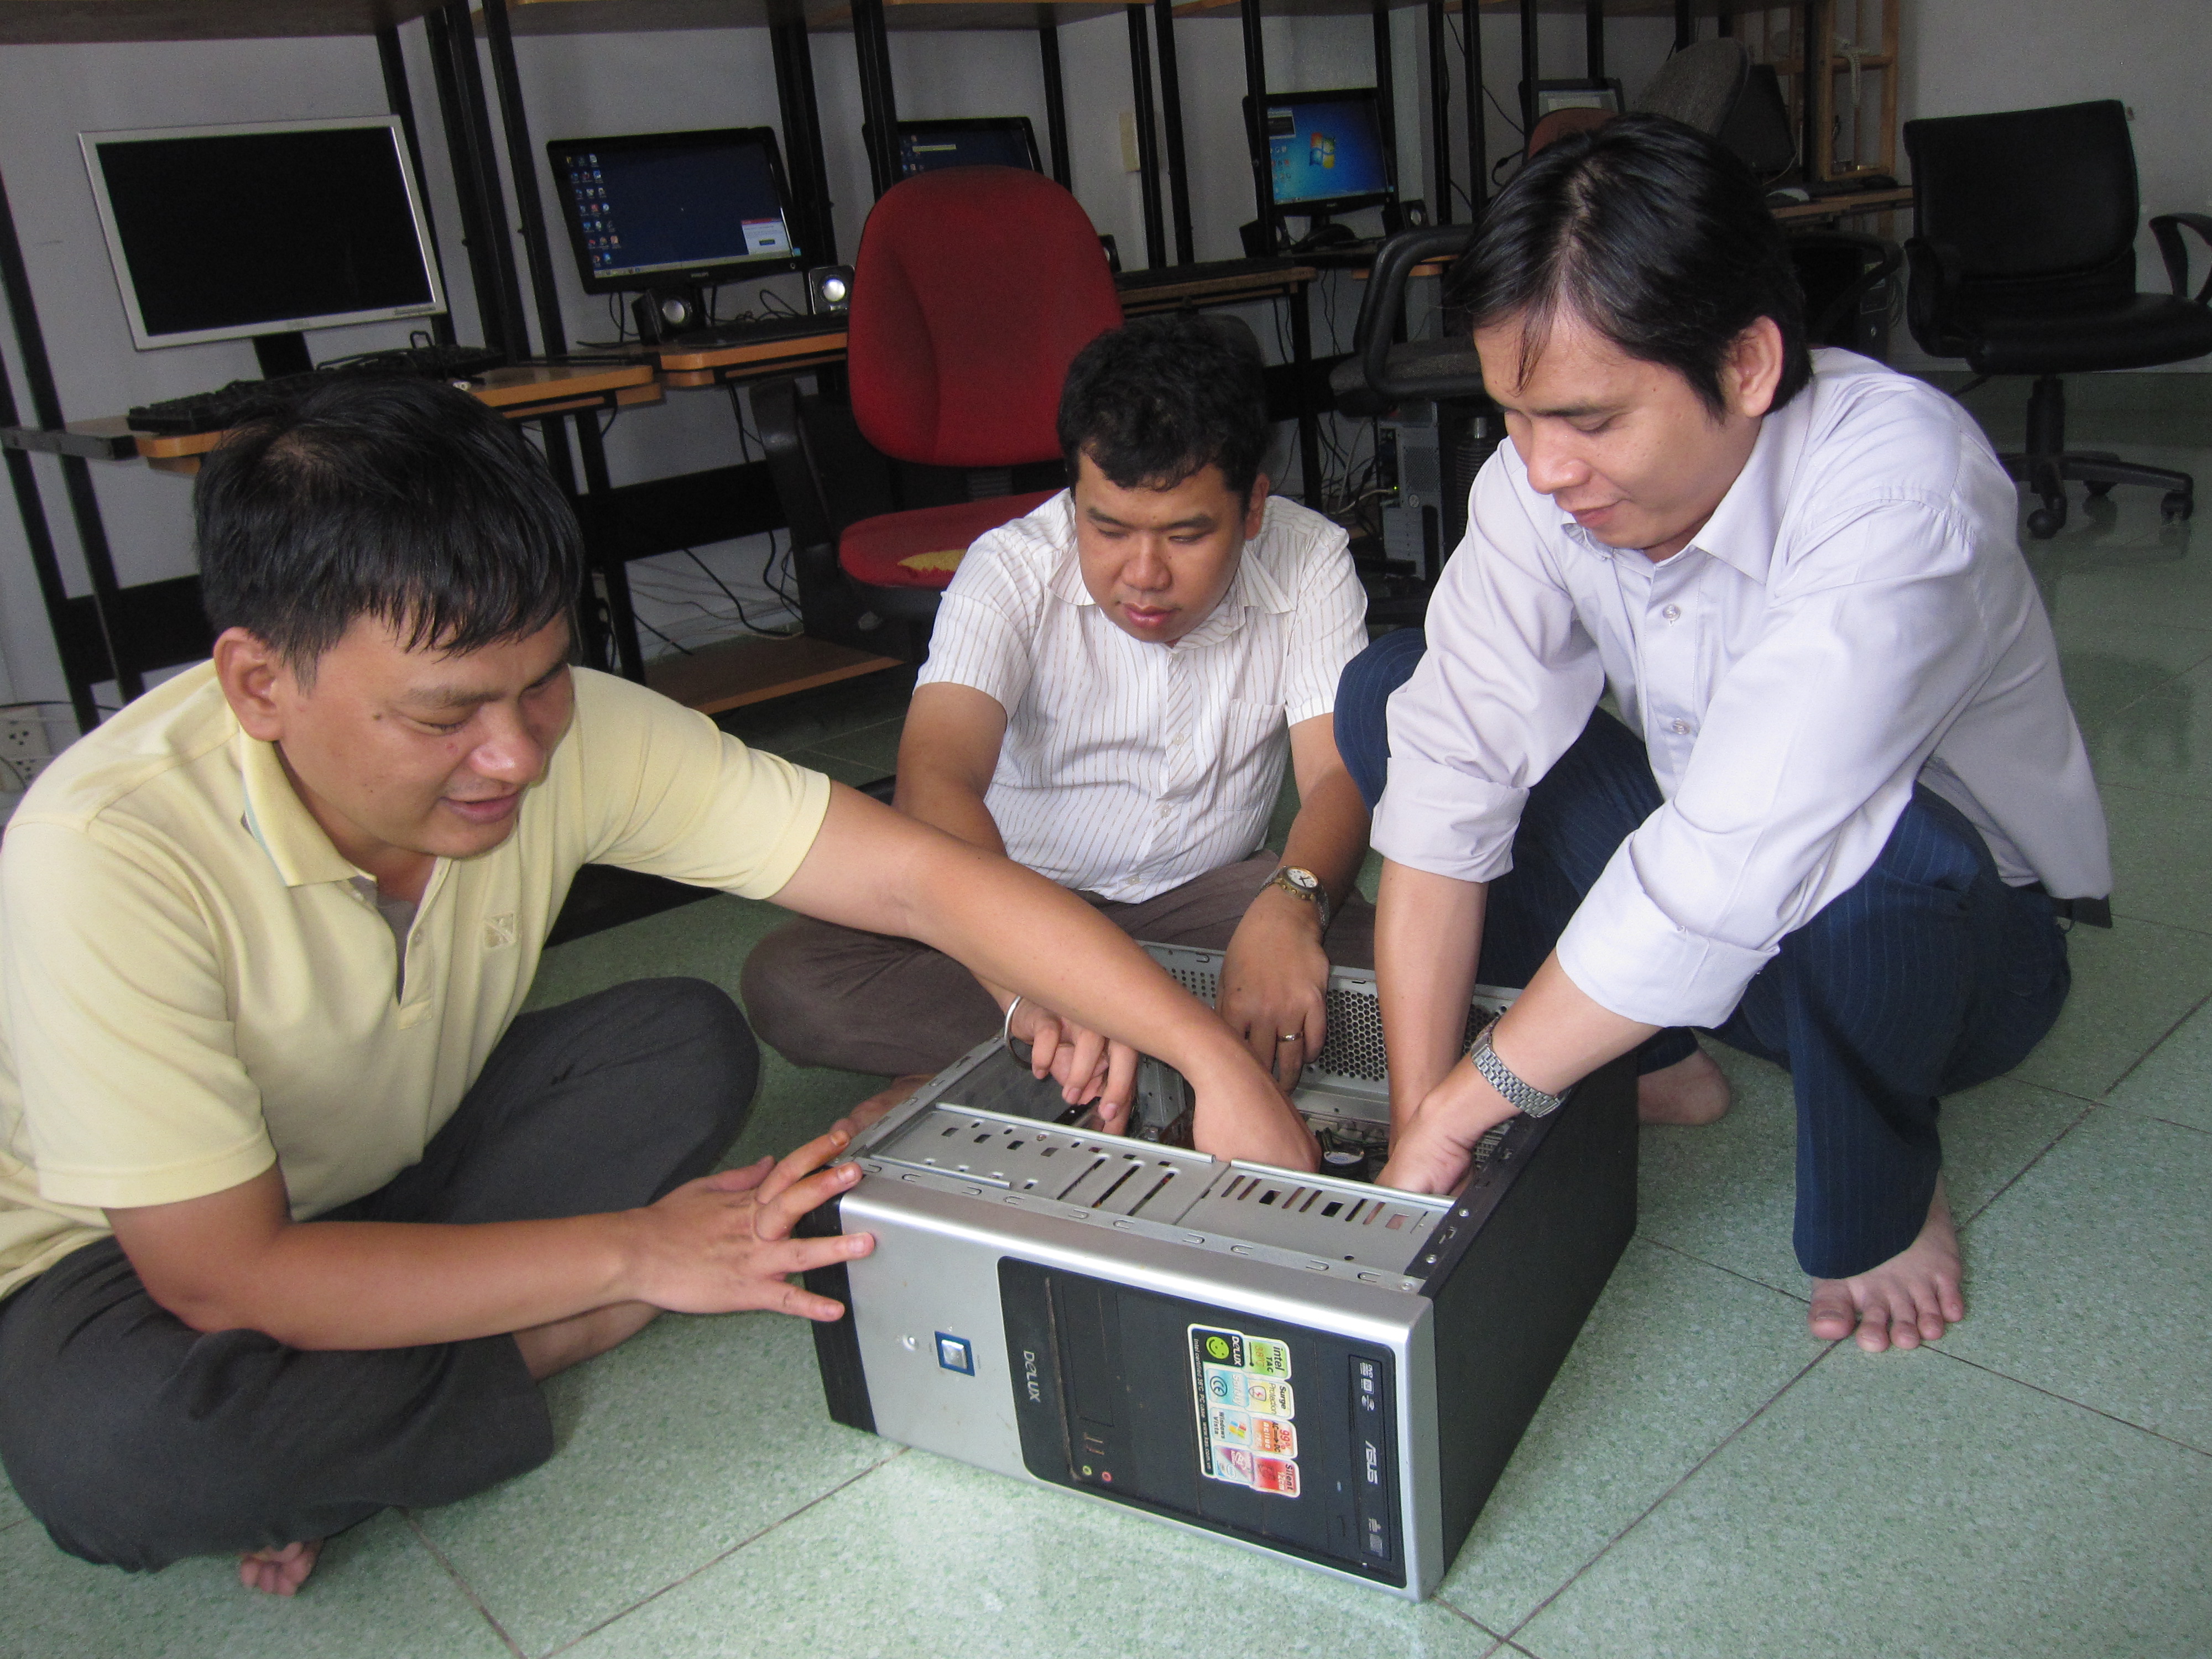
(1523, 1097)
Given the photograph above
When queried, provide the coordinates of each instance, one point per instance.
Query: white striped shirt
(1130, 767)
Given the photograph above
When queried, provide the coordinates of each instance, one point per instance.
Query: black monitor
(986, 140)
(656, 211)
(230, 232)
(1327, 151)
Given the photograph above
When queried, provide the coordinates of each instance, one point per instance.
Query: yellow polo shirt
(193, 987)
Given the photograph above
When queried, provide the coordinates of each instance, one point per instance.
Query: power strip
(25, 749)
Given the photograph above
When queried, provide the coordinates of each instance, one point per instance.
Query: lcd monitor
(1326, 151)
(672, 209)
(227, 233)
(991, 141)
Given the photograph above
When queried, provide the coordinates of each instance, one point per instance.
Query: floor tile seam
(2162, 921)
(422, 1537)
(2104, 784)
(1988, 1369)
(1459, 1611)
(2143, 1115)
(2089, 1108)
(2157, 1043)
(1722, 1267)
(709, 1564)
(1686, 1476)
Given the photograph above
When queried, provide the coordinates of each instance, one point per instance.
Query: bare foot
(1905, 1301)
(279, 1571)
(871, 1110)
(1691, 1093)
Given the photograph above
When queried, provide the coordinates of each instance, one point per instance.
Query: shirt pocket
(1252, 739)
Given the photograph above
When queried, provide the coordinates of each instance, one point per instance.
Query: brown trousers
(823, 995)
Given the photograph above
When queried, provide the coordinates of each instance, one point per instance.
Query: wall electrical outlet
(25, 749)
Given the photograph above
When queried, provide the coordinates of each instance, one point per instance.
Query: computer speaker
(828, 288)
(664, 313)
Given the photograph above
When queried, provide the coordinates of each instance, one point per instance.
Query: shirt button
(1673, 613)
(1682, 728)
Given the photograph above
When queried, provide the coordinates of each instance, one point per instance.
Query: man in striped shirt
(1112, 687)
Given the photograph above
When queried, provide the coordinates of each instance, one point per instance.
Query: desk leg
(1310, 482)
(1440, 211)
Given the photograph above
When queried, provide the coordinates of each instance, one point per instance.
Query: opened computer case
(1306, 1364)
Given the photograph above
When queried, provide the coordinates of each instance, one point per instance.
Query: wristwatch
(1523, 1097)
(1306, 885)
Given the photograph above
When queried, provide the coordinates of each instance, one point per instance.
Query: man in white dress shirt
(1845, 806)
(1112, 686)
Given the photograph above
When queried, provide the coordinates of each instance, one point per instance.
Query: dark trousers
(139, 1441)
(1928, 976)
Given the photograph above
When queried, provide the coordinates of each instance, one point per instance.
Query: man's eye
(445, 728)
(1591, 428)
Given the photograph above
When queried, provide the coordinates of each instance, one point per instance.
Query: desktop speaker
(828, 288)
(664, 312)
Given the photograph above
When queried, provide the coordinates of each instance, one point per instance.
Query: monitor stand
(282, 354)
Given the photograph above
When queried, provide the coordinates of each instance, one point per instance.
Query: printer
(1308, 1365)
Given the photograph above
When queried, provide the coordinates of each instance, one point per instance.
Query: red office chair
(975, 288)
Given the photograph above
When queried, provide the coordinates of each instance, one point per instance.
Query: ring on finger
(1291, 1036)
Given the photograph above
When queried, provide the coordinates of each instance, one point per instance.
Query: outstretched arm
(235, 1260)
(875, 869)
(947, 755)
(1274, 979)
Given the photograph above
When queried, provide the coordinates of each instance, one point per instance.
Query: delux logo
(1030, 1376)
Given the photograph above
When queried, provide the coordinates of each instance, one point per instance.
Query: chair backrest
(1698, 85)
(975, 288)
(2030, 193)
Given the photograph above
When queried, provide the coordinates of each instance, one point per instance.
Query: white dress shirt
(1856, 615)
(1131, 766)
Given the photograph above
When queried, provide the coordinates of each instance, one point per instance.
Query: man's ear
(1256, 506)
(1754, 370)
(257, 681)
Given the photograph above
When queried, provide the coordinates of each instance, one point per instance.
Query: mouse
(1788, 195)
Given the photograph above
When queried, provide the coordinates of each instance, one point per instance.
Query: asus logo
(1030, 1376)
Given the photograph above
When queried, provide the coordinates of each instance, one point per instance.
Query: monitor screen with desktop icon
(647, 210)
(1326, 152)
(990, 141)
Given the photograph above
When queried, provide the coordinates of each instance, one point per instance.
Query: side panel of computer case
(1563, 1222)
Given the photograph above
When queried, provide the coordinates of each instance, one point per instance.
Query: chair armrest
(1937, 273)
(1394, 261)
(2167, 226)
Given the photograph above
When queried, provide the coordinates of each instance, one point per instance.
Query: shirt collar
(278, 818)
(1743, 528)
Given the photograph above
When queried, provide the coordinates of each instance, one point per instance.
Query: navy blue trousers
(1928, 976)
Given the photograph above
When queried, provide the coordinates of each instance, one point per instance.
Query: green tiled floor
(1703, 1480)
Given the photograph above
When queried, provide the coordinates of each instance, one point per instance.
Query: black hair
(406, 501)
(1158, 399)
(1655, 235)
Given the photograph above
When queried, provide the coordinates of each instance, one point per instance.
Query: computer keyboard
(246, 400)
(748, 330)
(1209, 270)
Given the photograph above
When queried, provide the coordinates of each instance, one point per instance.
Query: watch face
(1304, 879)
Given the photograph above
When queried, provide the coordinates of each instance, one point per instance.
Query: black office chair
(2023, 262)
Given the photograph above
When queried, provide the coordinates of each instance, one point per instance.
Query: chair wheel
(2177, 505)
(2044, 523)
(2098, 491)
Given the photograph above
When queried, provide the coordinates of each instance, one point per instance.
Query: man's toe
(1833, 1315)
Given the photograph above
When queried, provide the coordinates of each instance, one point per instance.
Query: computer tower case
(1308, 1365)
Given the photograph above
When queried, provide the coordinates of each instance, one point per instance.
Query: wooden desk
(1839, 207)
(518, 394)
(1288, 283)
(706, 366)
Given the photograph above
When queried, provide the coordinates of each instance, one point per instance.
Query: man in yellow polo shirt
(295, 1210)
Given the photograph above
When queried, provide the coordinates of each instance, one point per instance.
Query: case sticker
(1247, 1431)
